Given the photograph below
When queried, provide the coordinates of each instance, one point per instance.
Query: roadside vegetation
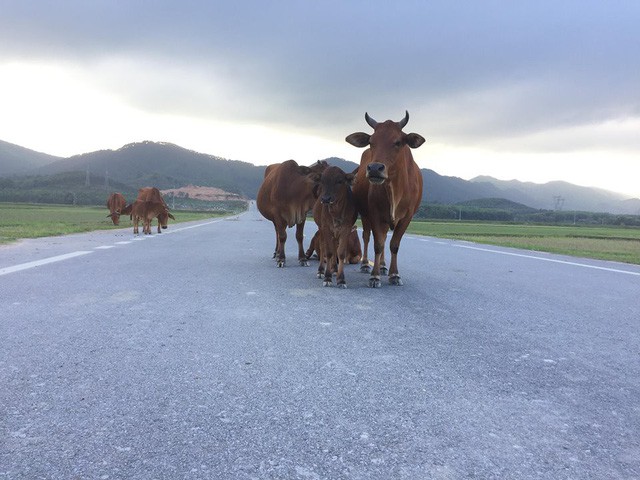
(620, 244)
(21, 220)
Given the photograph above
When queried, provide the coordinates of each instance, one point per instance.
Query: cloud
(538, 76)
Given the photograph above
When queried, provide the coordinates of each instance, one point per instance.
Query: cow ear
(358, 139)
(414, 140)
(171, 216)
(350, 177)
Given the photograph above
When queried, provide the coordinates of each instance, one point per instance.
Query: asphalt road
(189, 355)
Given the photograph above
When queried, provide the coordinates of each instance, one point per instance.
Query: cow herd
(385, 191)
(145, 208)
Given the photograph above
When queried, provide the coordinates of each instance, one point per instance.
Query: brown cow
(116, 203)
(149, 205)
(354, 250)
(287, 193)
(388, 190)
(335, 213)
(147, 210)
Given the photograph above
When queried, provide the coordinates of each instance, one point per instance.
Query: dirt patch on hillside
(211, 194)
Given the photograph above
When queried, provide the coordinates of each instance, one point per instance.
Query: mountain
(164, 165)
(169, 166)
(16, 160)
(562, 196)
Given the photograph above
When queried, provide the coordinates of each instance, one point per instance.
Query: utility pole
(559, 202)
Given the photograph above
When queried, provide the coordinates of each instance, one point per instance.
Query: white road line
(174, 230)
(59, 258)
(553, 260)
(44, 261)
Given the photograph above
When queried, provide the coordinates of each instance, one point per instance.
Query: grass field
(19, 220)
(606, 243)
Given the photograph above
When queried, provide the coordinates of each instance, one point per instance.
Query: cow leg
(366, 235)
(342, 258)
(276, 249)
(302, 258)
(394, 246)
(330, 256)
(281, 233)
(379, 238)
(159, 227)
(136, 222)
(321, 255)
(383, 265)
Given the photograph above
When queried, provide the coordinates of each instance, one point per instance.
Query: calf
(337, 215)
(147, 210)
(148, 205)
(354, 249)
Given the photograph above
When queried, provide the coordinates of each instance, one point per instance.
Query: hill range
(169, 166)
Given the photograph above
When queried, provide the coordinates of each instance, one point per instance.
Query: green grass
(19, 220)
(605, 243)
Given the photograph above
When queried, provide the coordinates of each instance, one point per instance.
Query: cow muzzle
(376, 173)
(326, 200)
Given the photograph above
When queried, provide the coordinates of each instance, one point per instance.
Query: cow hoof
(327, 283)
(304, 263)
(383, 270)
(365, 269)
(342, 285)
(375, 282)
(280, 264)
(395, 280)
(320, 275)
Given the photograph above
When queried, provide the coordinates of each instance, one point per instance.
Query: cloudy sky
(530, 90)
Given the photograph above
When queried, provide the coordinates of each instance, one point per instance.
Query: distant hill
(16, 160)
(169, 166)
(562, 196)
(165, 166)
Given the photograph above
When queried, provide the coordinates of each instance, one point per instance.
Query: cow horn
(402, 123)
(372, 123)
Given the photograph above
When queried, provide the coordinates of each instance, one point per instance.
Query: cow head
(115, 216)
(334, 185)
(163, 218)
(313, 174)
(387, 143)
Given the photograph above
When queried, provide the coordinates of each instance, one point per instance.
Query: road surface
(189, 355)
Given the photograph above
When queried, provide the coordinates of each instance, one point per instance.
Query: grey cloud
(468, 72)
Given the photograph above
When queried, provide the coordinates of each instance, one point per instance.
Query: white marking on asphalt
(174, 230)
(59, 258)
(44, 261)
(553, 260)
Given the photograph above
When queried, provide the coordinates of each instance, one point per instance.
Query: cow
(116, 203)
(387, 190)
(147, 210)
(149, 205)
(354, 250)
(287, 193)
(335, 213)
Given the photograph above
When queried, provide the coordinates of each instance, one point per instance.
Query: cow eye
(397, 143)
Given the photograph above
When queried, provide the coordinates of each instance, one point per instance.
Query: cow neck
(340, 208)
